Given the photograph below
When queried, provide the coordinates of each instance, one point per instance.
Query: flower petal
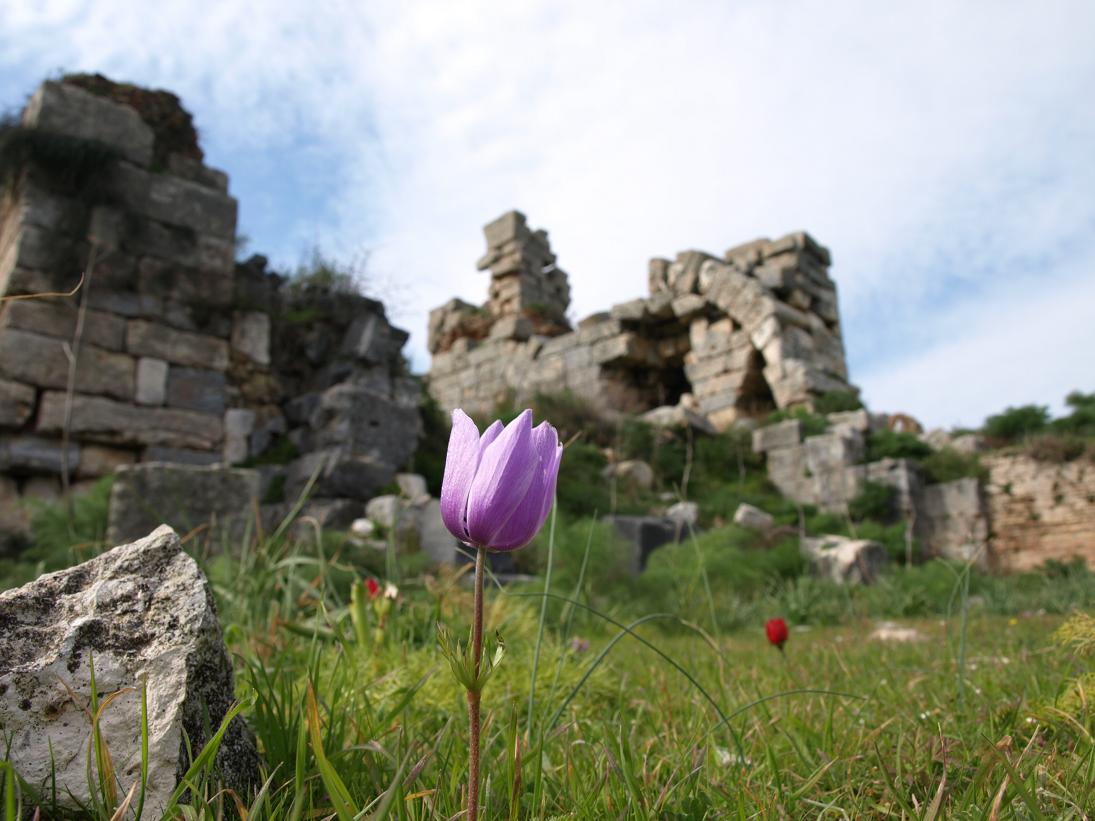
(489, 435)
(461, 462)
(502, 480)
(534, 508)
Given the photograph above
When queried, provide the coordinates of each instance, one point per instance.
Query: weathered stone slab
(181, 282)
(412, 486)
(196, 171)
(685, 515)
(951, 520)
(144, 338)
(180, 456)
(37, 454)
(333, 514)
(367, 424)
(643, 535)
(507, 227)
(41, 360)
(66, 109)
(186, 497)
(58, 318)
(145, 613)
(677, 416)
(833, 451)
(239, 423)
(753, 518)
(251, 335)
(196, 389)
(108, 422)
(339, 474)
(633, 472)
(511, 327)
(844, 560)
(151, 381)
(16, 403)
(99, 460)
(169, 199)
(781, 435)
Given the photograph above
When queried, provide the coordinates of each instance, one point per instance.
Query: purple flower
(499, 487)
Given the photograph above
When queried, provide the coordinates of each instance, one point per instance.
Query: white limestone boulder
(144, 613)
(844, 560)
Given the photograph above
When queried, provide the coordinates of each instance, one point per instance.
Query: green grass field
(648, 715)
(653, 697)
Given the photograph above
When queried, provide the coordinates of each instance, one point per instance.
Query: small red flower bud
(373, 588)
(776, 630)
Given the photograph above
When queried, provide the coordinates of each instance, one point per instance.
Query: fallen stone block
(781, 435)
(685, 515)
(143, 612)
(753, 518)
(643, 535)
(184, 496)
(16, 403)
(632, 472)
(844, 560)
(678, 416)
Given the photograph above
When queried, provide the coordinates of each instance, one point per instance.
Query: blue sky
(943, 151)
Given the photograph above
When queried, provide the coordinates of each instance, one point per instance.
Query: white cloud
(941, 150)
(1031, 346)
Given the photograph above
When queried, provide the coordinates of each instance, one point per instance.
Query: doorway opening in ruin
(639, 388)
(755, 399)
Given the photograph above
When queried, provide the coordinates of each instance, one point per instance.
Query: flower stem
(474, 695)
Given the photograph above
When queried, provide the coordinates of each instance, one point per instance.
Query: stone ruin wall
(1026, 513)
(1040, 511)
(185, 356)
(731, 338)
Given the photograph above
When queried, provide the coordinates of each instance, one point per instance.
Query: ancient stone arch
(731, 337)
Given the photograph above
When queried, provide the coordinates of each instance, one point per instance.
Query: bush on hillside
(947, 464)
(1015, 424)
(813, 424)
(1056, 448)
(1081, 421)
(837, 401)
(891, 444)
(874, 501)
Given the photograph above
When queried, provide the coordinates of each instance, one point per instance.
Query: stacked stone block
(733, 338)
(1040, 511)
(524, 277)
(183, 356)
(156, 249)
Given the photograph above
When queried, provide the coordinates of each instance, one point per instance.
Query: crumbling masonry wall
(732, 337)
(184, 356)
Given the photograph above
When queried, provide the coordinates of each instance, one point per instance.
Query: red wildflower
(373, 588)
(776, 630)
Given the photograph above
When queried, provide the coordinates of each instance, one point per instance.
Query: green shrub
(947, 464)
(58, 527)
(74, 165)
(281, 451)
(837, 401)
(874, 501)
(1056, 448)
(890, 444)
(813, 424)
(581, 490)
(1015, 424)
(328, 274)
(429, 458)
(1081, 422)
(61, 535)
